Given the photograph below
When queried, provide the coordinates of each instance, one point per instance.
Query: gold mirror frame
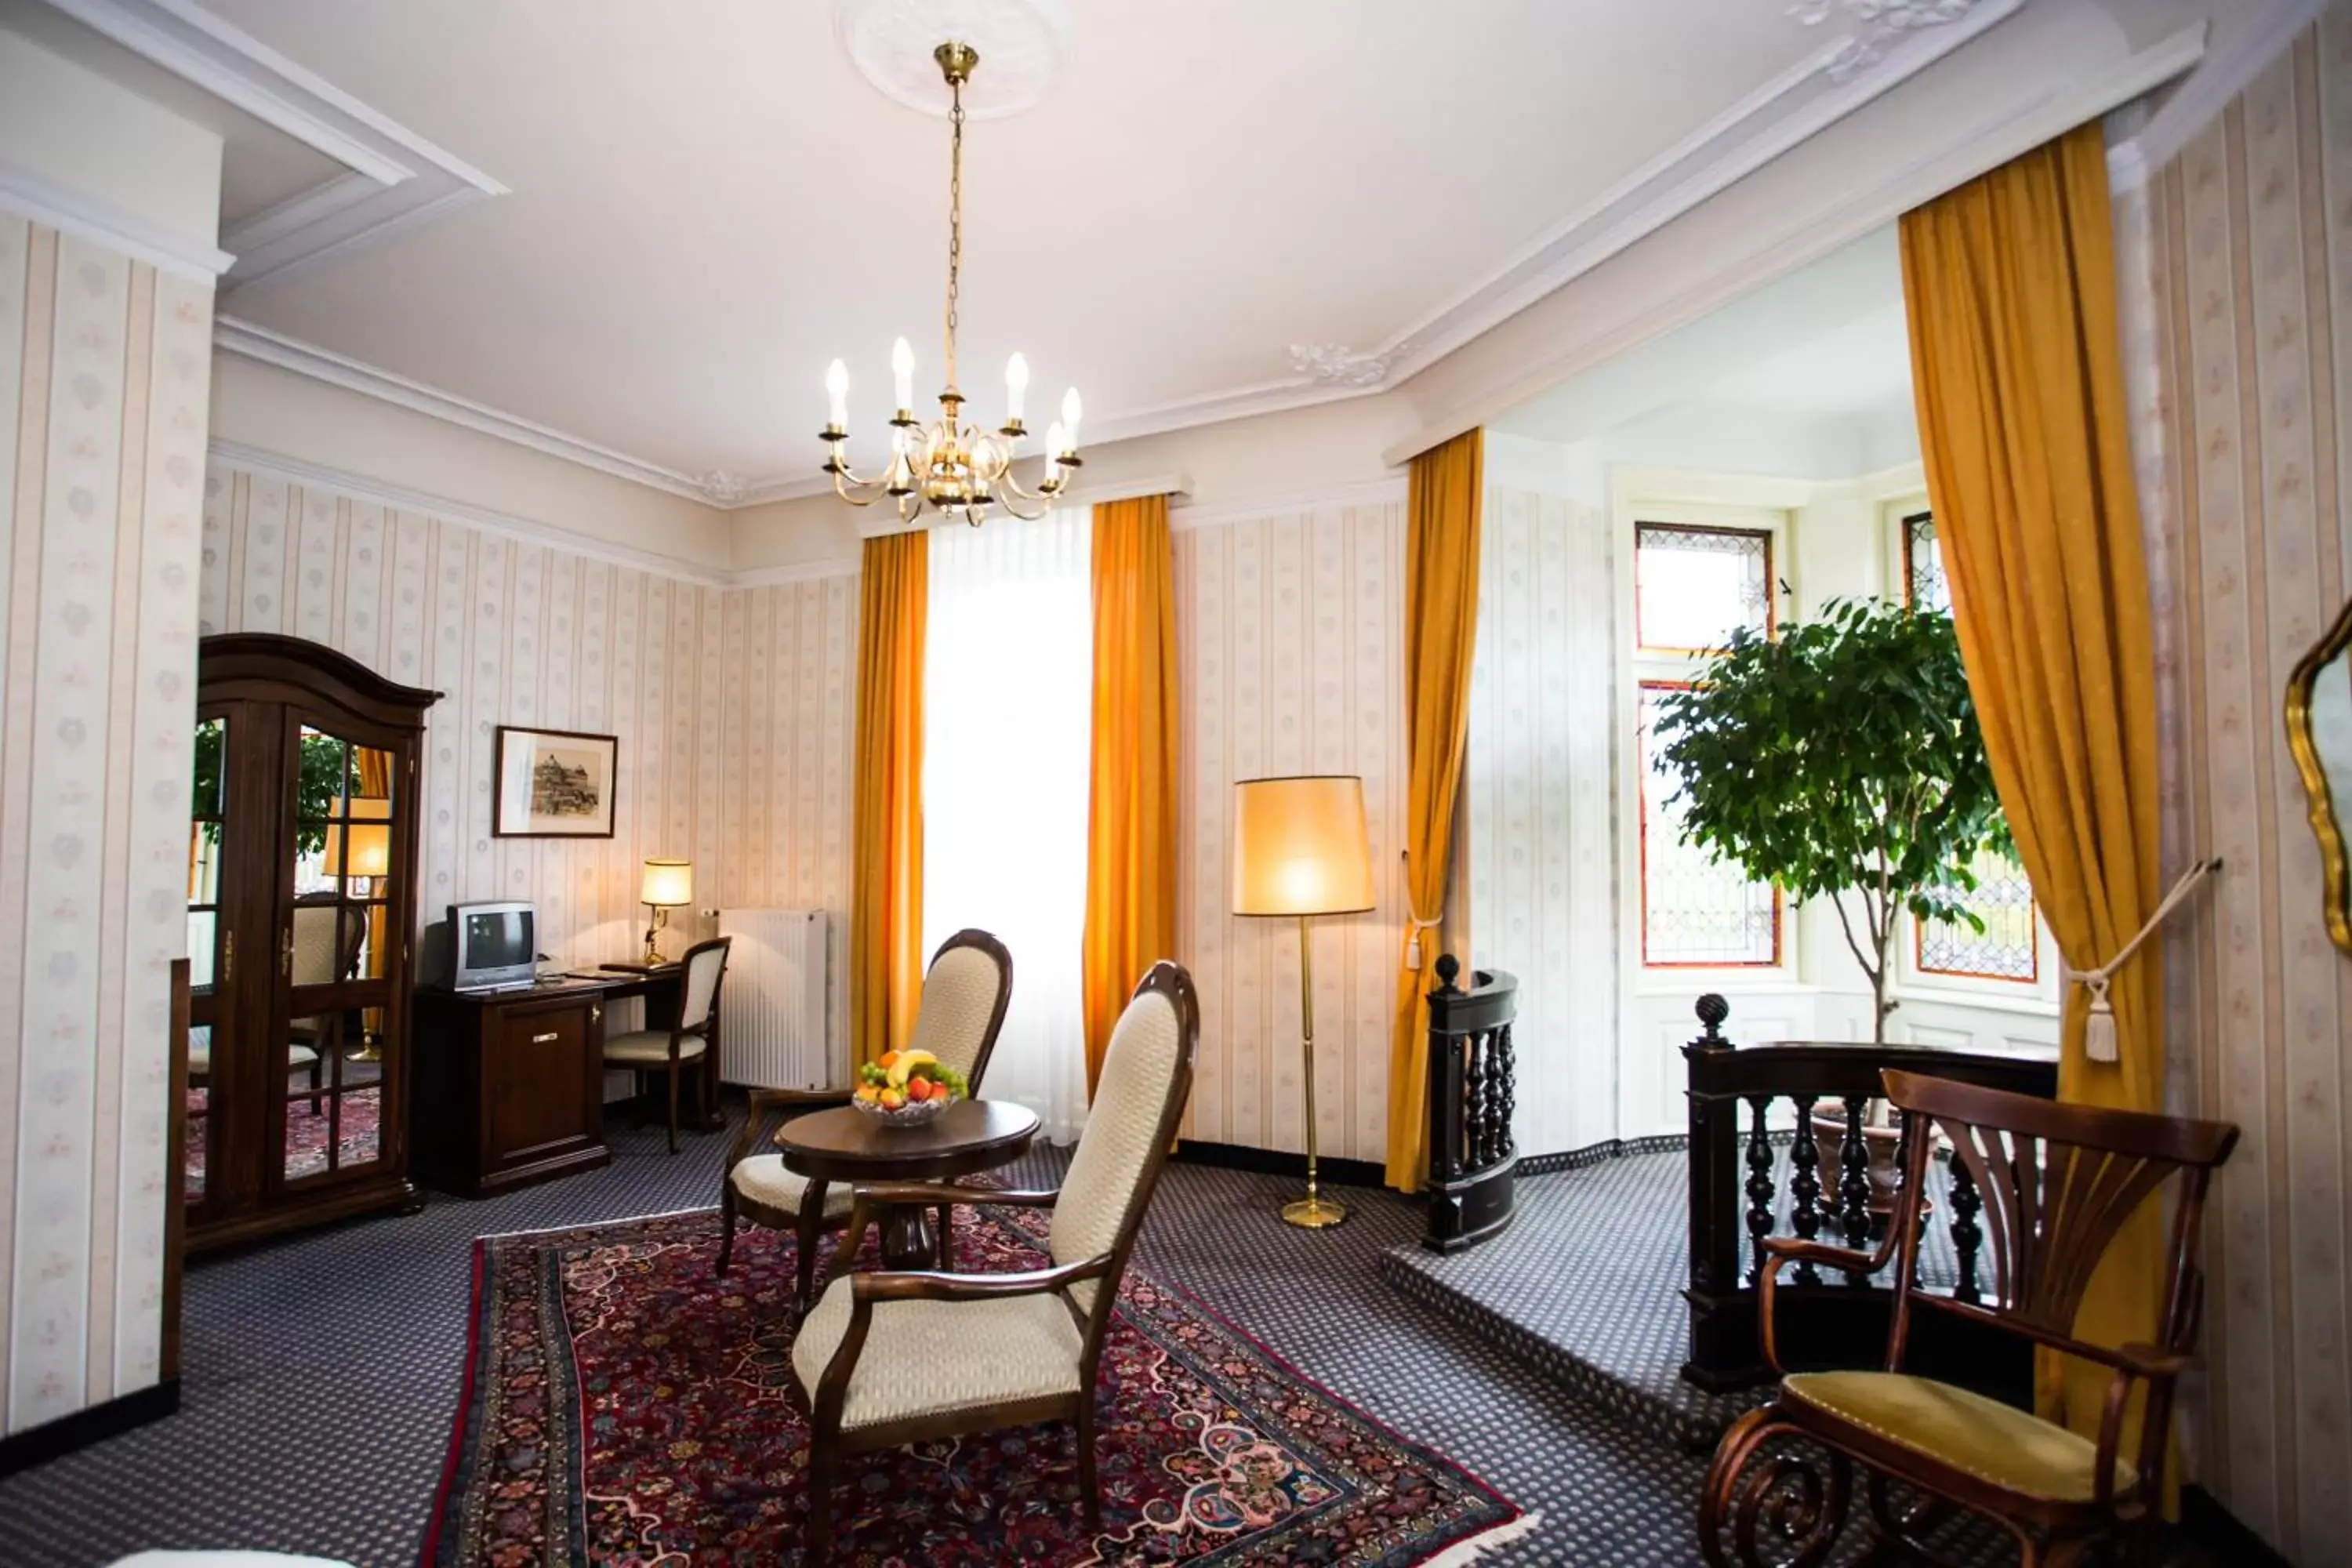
(2333, 853)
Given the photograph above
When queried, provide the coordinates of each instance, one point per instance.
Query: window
(2010, 947)
(1697, 911)
(1008, 715)
(1694, 585)
(1924, 584)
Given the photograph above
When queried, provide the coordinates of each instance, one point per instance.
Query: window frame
(1722, 509)
(1912, 973)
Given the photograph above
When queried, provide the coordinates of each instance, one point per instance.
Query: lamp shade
(668, 883)
(1300, 847)
(364, 849)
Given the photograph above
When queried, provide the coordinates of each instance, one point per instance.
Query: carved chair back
(965, 993)
(2057, 1184)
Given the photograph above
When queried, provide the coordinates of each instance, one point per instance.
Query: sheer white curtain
(1008, 697)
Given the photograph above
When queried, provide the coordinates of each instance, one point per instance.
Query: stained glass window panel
(1925, 584)
(2010, 946)
(1697, 911)
(1694, 586)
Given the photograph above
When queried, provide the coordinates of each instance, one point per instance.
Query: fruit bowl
(908, 1088)
(914, 1113)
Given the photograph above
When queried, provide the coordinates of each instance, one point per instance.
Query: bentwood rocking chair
(2057, 1183)
(888, 1359)
(964, 996)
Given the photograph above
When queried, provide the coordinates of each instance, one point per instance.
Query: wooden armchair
(2057, 1181)
(965, 993)
(888, 1359)
(673, 1051)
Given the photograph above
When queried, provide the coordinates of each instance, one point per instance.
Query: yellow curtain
(886, 918)
(1131, 812)
(1441, 626)
(2012, 293)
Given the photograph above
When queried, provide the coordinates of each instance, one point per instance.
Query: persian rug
(358, 1141)
(622, 1406)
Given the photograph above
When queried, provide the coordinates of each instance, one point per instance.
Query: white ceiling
(703, 205)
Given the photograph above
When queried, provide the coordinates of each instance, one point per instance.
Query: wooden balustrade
(1736, 1194)
(1473, 1090)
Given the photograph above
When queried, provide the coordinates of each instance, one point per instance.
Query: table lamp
(363, 849)
(1300, 849)
(668, 885)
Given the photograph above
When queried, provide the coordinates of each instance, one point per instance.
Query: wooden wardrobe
(302, 872)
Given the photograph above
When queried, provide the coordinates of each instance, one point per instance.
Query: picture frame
(553, 784)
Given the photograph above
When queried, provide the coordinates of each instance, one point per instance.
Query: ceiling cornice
(394, 178)
(2201, 97)
(70, 212)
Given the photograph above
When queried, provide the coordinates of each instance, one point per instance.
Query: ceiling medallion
(1878, 25)
(948, 466)
(1025, 42)
(1336, 365)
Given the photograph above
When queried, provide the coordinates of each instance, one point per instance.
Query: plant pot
(1885, 1178)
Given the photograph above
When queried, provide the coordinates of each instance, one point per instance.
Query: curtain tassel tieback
(2099, 1027)
(1414, 925)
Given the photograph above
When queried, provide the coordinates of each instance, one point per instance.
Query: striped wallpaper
(1289, 637)
(1539, 827)
(2237, 267)
(732, 705)
(105, 368)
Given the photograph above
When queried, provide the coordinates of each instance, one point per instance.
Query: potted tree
(1841, 760)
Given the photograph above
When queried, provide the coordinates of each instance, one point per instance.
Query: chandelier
(948, 466)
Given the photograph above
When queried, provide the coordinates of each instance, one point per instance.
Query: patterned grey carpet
(321, 1374)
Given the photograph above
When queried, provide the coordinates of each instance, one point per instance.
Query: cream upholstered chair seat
(200, 1055)
(650, 1045)
(927, 1358)
(765, 1179)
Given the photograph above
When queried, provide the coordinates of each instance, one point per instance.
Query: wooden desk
(509, 1085)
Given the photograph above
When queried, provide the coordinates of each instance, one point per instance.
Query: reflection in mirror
(200, 1070)
(333, 1098)
(204, 821)
(2319, 730)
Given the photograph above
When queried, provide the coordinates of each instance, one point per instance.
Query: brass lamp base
(1314, 1213)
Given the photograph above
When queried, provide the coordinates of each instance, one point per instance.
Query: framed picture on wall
(553, 784)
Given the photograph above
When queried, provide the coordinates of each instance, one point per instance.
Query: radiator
(773, 1010)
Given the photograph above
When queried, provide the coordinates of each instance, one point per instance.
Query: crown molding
(1969, 151)
(396, 178)
(2200, 98)
(70, 212)
(528, 530)
(233, 336)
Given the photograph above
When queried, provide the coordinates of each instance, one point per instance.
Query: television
(492, 946)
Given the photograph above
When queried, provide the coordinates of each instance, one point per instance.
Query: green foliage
(320, 785)
(1842, 757)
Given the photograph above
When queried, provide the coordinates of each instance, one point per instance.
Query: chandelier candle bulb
(902, 372)
(836, 387)
(1071, 409)
(1016, 387)
(1057, 441)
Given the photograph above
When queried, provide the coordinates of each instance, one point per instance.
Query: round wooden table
(849, 1148)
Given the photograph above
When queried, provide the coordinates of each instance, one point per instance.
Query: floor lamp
(1300, 849)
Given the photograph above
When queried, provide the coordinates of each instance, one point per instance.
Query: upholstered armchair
(2056, 1183)
(964, 996)
(887, 1359)
(672, 1050)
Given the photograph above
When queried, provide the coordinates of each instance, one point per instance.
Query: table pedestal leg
(908, 1239)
